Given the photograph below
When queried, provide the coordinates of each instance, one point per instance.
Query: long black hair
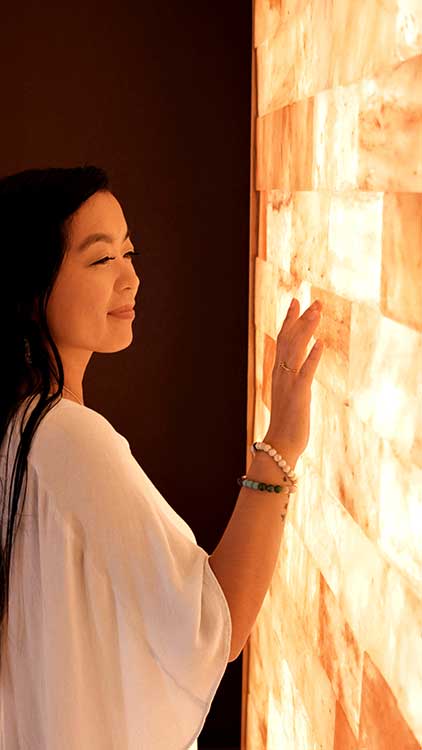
(36, 211)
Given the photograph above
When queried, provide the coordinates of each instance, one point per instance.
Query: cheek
(60, 312)
(79, 303)
(78, 313)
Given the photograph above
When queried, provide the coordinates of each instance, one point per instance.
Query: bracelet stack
(289, 480)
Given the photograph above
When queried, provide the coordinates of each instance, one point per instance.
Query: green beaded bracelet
(249, 483)
(244, 482)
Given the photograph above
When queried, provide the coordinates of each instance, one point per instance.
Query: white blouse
(119, 633)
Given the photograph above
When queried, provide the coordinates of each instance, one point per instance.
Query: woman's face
(85, 291)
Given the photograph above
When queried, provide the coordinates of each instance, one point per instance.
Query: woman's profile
(115, 633)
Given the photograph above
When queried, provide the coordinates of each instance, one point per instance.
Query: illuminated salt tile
(265, 298)
(355, 246)
(401, 273)
(259, 357)
(400, 514)
(378, 703)
(279, 230)
(390, 128)
(310, 258)
(353, 473)
(276, 735)
(317, 694)
(340, 655)
(299, 578)
(335, 137)
(383, 388)
(288, 724)
(257, 727)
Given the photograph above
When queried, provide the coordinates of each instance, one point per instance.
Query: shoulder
(70, 432)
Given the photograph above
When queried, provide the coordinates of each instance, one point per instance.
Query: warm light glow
(337, 646)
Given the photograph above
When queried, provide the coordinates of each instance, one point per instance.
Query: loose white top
(119, 633)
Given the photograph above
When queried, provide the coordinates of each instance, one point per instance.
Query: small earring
(28, 357)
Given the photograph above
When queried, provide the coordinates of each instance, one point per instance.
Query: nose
(131, 280)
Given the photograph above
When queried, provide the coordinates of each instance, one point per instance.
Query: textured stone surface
(335, 656)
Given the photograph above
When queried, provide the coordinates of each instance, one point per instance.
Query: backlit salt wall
(335, 656)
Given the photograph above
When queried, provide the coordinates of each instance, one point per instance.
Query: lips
(125, 308)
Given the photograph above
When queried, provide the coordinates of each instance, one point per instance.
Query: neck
(75, 396)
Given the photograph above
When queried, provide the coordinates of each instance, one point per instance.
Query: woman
(116, 630)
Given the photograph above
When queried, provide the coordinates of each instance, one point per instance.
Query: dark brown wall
(159, 95)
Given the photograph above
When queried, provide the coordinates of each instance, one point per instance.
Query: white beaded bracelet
(277, 458)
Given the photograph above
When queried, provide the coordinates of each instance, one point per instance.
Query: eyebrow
(98, 237)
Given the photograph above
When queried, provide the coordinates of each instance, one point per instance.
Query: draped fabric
(119, 633)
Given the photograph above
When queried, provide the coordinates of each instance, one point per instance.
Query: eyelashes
(104, 261)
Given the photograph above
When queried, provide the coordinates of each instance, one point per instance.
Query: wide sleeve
(171, 605)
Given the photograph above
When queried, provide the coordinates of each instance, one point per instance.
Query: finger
(291, 315)
(308, 369)
(296, 333)
(305, 327)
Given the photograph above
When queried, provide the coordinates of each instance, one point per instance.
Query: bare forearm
(244, 559)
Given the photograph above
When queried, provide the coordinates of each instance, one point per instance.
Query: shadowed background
(158, 95)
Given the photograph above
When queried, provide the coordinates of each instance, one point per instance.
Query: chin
(118, 346)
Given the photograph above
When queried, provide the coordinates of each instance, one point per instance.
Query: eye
(103, 261)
